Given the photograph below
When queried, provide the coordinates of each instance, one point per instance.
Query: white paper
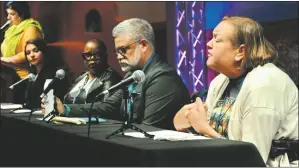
(22, 111)
(7, 106)
(76, 121)
(39, 112)
(48, 99)
(167, 135)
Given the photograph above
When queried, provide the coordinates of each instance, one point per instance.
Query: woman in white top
(251, 99)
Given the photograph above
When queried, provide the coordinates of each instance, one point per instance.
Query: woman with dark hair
(23, 28)
(41, 64)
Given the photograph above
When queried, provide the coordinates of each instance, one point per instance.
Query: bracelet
(67, 110)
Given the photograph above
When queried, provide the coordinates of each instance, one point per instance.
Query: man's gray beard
(126, 68)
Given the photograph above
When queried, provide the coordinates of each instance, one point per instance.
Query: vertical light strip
(181, 41)
(190, 44)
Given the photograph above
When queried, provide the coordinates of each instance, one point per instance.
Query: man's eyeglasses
(88, 55)
(123, 50)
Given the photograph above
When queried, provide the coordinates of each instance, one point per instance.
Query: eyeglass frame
(126, 48)
(94, 54)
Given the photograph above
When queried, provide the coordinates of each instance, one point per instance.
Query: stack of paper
(77, 121)
(10, 106)
(167, 135)
(22, 111)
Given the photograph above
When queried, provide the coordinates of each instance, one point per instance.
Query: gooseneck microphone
(30, 77)
(60, 74)
(5, 25)
(136, 77)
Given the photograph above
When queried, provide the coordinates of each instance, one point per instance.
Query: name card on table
(49, 99)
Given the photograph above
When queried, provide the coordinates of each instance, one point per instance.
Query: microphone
(137, 76)
(5, 25)
(60, 74)
(30, 77)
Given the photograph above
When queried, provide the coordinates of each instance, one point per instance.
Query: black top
(37, 87)
(220, 115)
(103, 81)
(162, 94)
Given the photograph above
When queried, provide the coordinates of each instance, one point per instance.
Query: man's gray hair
(136, 29)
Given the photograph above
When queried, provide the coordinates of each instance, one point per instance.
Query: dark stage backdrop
(284, 36)
(281, 28)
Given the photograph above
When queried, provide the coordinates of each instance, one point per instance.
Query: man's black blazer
(161, 95)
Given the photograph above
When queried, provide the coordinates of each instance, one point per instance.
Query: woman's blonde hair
(258, 50)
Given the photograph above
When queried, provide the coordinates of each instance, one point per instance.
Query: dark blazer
(161, 95)
(104, 81)
(36, 88)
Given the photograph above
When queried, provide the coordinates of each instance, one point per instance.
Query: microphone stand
(28, 98)
(89, 116)
(129, 116)
(27, 104)
(54, 113)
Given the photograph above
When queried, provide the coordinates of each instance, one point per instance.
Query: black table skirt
(37, 143)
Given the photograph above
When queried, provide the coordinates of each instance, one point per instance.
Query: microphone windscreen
(6, 24)
(60, 74)
(31, 77)
(138, 76)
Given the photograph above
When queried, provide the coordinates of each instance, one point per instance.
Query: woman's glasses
(89, 55)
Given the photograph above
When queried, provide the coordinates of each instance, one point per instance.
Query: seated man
(99, 77)
(159, 97)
